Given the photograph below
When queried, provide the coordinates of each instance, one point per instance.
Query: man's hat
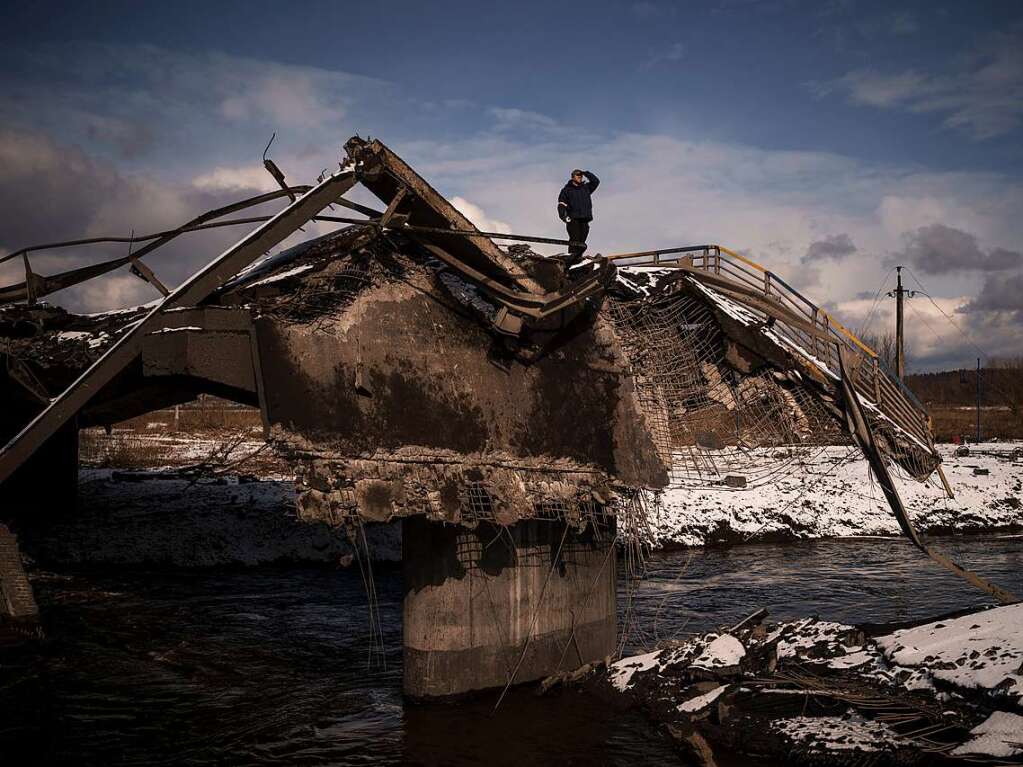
(577, 172)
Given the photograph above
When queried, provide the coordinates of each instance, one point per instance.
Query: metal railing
(817, 333)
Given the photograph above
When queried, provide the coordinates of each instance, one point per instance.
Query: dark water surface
(271, 665)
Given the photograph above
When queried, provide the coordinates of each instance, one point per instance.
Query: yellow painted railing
(831, 319)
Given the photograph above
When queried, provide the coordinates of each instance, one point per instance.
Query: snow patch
(834, 733)
(175, 330)
(641, 280)
(977, 651)
(723, 652)
(810, 634)
(1001, 734)
(622, 671)
(701, 702)
(92, 340)
(281, 276)
(828, 495)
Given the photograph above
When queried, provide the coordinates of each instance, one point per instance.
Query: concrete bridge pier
(473, 597)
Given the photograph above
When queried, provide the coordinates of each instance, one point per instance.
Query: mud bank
(817, 692)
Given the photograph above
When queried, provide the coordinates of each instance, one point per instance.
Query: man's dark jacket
(574, 200)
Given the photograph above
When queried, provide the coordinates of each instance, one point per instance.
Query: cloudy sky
(827, 140)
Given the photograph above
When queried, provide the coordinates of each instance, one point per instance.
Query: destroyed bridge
(518, 416)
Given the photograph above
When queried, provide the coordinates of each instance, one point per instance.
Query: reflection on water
(272, 665)
(852, 581)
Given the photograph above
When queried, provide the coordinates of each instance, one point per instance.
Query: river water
(271, 665)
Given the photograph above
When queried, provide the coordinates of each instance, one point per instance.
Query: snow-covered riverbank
(821, 496)
(163, 516)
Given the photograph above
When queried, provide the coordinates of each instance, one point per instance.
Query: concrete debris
(815, 692)
(449, 487)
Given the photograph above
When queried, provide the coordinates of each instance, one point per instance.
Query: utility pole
(899, 294)
(978, 400)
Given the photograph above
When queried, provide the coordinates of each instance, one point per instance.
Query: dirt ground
(996, 422)
(208, 433)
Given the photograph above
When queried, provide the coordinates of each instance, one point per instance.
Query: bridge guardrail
(875, 381)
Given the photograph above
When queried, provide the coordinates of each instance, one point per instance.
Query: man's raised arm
(594, 181)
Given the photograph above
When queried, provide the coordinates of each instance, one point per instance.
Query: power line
(937, 336)
(954, 324)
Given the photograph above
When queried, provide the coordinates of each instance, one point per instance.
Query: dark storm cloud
(835, 247)
(50, 192)
(1000, 293)
(940, 249)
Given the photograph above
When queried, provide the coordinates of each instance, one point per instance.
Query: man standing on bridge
(576, 209)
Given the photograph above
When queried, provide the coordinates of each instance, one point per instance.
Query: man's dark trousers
(578, 231)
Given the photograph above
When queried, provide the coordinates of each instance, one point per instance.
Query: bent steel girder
(189, 293)
(207, 216)
(44, 285)
(859, 426)
(385, 174)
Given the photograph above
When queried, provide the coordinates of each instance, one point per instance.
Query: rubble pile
(818, 692)
(58, 343)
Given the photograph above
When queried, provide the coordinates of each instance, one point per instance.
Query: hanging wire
(873, 307)
(937, 336)
(536, 613)
(954, 324)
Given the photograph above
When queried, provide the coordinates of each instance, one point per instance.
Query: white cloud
(478, 217)
(878, 89)
(244, 177)
(981, 94)
(516, 119)
(115, 291)
(286, 97)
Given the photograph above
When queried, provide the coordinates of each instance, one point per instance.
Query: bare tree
(884, 345)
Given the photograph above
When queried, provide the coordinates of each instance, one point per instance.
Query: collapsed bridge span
(512, 412)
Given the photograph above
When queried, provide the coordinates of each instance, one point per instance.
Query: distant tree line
(1001, 379)
(1001, 383)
